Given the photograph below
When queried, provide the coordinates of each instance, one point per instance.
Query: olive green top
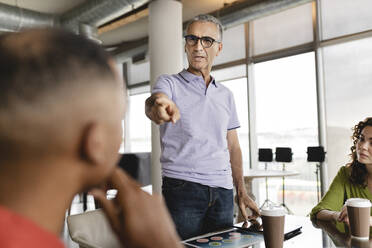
(340, 190)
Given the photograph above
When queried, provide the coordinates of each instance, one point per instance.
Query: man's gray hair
(207, 18)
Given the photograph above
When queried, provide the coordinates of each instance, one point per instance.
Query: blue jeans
(197, 209)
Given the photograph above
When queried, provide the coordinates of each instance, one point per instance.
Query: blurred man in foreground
(61, 106)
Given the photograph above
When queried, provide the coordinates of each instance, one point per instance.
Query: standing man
(201, 156)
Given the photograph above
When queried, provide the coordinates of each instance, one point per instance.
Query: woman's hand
(342, 216)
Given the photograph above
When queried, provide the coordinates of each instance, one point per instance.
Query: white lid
(273, 211)
(358, 202)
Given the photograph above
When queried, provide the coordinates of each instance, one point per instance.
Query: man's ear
(219, 49)
(93, 144)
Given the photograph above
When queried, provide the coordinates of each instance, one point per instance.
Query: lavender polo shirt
(195, 148)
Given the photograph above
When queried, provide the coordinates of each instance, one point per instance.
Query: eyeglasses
(206, 41)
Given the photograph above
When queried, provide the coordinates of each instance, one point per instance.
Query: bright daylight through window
(287, 117)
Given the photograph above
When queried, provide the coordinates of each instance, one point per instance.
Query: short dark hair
(40, 64)
(52, 58)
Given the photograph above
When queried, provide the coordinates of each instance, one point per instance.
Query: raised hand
(138, 218)
(160, 109)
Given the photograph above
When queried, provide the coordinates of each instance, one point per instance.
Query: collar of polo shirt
(188, 77)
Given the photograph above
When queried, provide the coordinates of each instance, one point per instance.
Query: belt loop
(210, 189)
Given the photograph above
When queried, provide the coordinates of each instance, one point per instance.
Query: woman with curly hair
(353, 180)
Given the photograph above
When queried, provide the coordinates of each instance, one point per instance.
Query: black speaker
(283, 154)
(265, 155)
(315, 154)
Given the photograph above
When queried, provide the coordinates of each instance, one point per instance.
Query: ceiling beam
(239, 14)
(123, 21)
(98, 12)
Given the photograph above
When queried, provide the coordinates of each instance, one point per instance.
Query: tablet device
(233, 238)
(238, 237)
(290, 229)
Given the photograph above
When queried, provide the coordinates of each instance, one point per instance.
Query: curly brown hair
(358, 170)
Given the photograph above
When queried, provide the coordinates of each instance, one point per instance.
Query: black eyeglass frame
(203, 38)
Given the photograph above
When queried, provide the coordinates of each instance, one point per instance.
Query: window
(229, 73)
(280, 31)
(239, 89)
(343, 17)
(139, 125)
(138, 73)
(348, 87)
(233, 45)
(287, 117)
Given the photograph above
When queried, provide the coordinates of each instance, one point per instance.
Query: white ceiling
(45, 6)
(132, 31)
(139, 29)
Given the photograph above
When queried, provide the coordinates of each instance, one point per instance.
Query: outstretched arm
(159, 108)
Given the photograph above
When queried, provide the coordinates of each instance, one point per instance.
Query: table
(252, 174)
(319, 234)
(334, 234)
(339, 236)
